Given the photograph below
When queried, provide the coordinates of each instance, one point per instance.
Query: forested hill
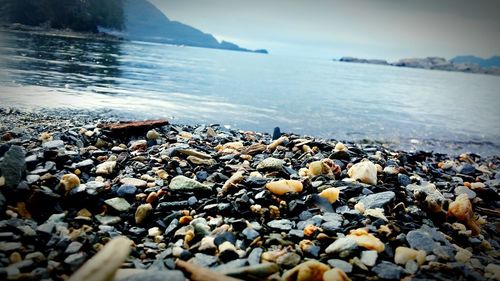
(77, 15)
(128, 19)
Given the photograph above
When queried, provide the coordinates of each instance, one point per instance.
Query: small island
(434, 63)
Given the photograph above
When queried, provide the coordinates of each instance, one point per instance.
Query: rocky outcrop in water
(435, 63)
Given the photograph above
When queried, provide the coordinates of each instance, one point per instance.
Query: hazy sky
(388, 29)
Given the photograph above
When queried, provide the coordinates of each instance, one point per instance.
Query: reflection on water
(253, 91)
(52, 61)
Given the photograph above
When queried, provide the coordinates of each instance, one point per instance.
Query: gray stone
(288, 260)
(119, 204)
(53, 144)
(253, 272)
(13, 166)
(73, 247)
(404, 180)
(296, 233)
(283, 224)
(84, 164)
(420, 240)
(182, 183)
(271, 164)
(156, 275)
(331, 226)
(107, 219)
(204, 260)
(250, 233)
(237, 263)
(46, 228)
(446, 253)
(125, 190)
(30, 179)
(75, 260)
(341, 245)
(388, 270)
(328, 217)
(377, 200)
(9, 246)
(345, 266)
(369, 258)
(462, 189)
(254, 256)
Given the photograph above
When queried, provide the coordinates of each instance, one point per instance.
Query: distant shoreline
(37, 30)
(430, 63)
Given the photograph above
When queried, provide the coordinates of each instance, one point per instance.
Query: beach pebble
(364, 171)
(69, 181)
(388, 270)
(403, 255)
(182, 183)
(335, 274)
(307, 271)
(135, 182)
(142, 212)
(369, 258)
(105, 169)
(118, 203)
(284, 186)
(271, 164)
(331, 194)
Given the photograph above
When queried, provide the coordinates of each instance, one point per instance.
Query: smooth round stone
(467, 169)
(388, 270)
(201, 176)
(345, 266)
(283, 224)
(420, 240)
(126, 190)
(377, 200)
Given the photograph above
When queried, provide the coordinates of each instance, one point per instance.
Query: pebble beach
(90, 197)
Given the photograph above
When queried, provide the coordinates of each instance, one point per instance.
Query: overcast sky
(387, 29)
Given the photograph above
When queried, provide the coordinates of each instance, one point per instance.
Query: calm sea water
(411, 108)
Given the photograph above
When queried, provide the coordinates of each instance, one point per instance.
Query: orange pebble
(152, 197)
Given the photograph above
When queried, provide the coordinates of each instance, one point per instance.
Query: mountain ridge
(145, 22)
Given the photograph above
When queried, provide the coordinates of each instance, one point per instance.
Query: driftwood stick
(199, 273)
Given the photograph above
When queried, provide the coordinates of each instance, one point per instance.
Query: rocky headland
(434, 63)
(85, 197)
